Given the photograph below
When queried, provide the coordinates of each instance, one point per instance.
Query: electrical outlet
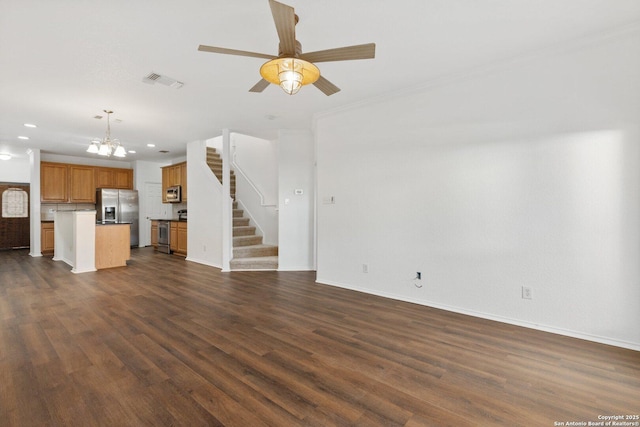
(526, 292)
(365, 268)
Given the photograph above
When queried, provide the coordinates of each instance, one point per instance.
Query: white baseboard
(203, 262)
(516, 322)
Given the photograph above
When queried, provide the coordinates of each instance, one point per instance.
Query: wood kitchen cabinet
(104, 178)
(70, 183)
(154, 234)
(123, 179)
(173, 236)
(54, 182)
(47, 240)
(182, 239)
(174, 175)
(82, 184)
(112, 245)
(114, 178)
(178, 238)
(183, 180)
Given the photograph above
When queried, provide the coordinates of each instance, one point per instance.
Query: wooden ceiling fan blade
(225, 51)
(362, 51)
(285, 20)
(326, 86)
(260, 86)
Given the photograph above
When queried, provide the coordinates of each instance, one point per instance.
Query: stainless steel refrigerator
(119, 206)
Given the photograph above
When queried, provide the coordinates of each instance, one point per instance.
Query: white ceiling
(62, 62)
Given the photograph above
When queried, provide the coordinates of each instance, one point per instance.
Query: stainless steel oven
(163, 236)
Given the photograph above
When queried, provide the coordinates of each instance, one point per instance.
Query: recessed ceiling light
(23, 137)
(4, 156)
(151, 145)
(29, 125)
(132, 151)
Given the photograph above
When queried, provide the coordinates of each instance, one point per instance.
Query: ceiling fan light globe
(289, 70)
(290, 81)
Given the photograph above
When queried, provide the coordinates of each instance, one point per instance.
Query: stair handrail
(237, 168)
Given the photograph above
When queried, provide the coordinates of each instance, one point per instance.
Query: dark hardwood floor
(166, 342)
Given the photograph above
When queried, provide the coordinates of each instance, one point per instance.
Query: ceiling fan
(292, 69)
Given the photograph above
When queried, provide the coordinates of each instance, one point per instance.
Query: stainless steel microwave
(174, 194)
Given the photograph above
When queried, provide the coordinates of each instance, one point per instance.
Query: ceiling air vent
(153, 78)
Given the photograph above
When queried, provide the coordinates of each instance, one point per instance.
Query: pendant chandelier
(107, 147)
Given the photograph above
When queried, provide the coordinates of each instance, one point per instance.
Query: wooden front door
(14, 216)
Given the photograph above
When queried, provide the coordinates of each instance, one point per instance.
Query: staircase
(249, 253)
(215, 164)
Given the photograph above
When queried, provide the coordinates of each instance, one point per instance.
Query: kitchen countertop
(168, 219)
(113, 223)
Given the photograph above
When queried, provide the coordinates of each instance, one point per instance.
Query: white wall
(15, 169)
(204, 242)
(523, 175)
(296, 211)
(258, 159)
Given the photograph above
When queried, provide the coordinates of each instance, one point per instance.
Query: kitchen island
(75, 237)
(112, 244)
(88, 246)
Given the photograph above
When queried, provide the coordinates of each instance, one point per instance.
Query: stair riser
(238, 213)
(249, 252)
(244, 231)
(239, 222)
(240, 241)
